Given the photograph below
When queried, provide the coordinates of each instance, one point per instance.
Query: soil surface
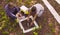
(44, 21)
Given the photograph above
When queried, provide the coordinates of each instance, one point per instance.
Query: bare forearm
(34, 18)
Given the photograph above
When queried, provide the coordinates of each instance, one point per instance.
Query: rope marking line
(52, 10)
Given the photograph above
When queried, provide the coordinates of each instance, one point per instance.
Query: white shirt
(39, 8)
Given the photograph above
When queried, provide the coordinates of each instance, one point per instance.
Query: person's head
(22, 13)
(33, 9)
(11, 4)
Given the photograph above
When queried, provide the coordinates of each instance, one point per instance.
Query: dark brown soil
(27, 24)
(44, 21)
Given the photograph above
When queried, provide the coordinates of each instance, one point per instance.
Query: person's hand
(28, 19)
(31, 23)
(18, 15)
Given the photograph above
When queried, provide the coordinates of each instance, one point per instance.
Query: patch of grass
(35, 33)
(5, 33)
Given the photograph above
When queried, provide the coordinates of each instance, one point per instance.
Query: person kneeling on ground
(23, 14)
(36, 11)
(11, 10)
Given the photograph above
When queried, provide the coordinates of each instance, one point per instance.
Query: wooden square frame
(28, 30)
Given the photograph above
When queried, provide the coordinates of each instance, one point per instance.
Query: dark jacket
(11, 12)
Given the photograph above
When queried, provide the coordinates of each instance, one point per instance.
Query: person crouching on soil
(36, 11)
(11, 10)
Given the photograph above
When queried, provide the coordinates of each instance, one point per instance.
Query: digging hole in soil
(27, 24)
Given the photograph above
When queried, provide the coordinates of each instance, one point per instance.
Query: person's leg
(13, 22)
